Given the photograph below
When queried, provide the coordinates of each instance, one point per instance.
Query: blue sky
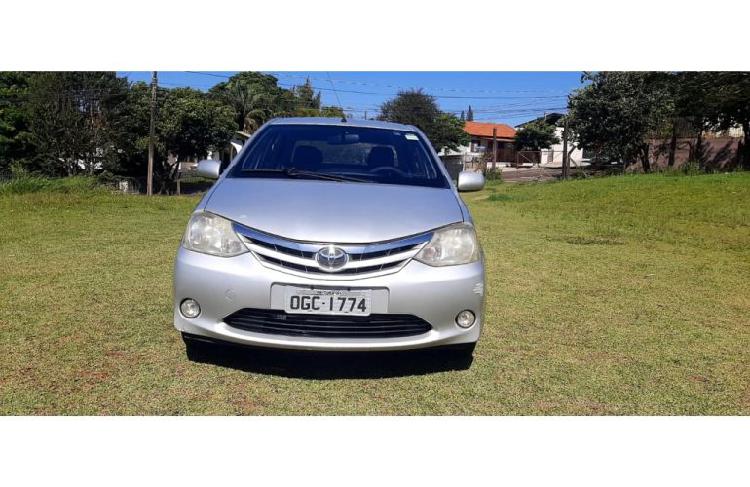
(507, 97)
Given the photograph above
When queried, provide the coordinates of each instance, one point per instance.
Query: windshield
(340, 153)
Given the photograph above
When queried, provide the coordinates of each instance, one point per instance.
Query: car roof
(350, 122)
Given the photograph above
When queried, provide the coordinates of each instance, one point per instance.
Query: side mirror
(470, 181)
(209, 169)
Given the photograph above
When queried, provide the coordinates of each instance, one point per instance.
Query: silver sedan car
(332, 234)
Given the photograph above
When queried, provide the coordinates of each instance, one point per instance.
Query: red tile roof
(480, 129)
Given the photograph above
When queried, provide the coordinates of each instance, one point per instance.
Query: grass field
(621, 295)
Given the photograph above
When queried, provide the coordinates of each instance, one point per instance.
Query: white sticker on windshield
(411, 136)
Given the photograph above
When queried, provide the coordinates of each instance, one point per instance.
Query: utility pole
(494, 147)
(566, 159)
(151, 137)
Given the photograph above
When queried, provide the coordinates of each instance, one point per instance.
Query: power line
(507, 109)
(102, 94)
(510, 110)
(396, 94)
(384, 85)
(334, 90)
(531, 105)
(151, 134)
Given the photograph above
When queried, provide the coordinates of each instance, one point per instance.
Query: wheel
(197, 349)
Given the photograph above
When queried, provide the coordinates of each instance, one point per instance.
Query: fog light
(190, 308)
(465, 318)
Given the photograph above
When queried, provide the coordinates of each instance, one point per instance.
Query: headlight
(456, 244)
(212, 234)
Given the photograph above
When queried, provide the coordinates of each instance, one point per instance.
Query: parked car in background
(331, 234)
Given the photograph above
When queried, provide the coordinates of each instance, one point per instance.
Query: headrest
(307, 157)
(380, 156)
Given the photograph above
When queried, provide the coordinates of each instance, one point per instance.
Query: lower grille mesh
(278, 322)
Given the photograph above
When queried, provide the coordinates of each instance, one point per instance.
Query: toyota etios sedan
(331, 234)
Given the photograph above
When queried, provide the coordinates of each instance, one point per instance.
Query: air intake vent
(278, 322)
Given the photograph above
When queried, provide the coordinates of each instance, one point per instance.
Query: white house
(553, 157)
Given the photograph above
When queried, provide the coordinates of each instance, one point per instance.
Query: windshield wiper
(295, 173)
(262, 171)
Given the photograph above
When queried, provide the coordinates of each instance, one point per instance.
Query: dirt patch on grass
(587, 240)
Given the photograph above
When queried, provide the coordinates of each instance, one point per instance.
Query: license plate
(327, 301)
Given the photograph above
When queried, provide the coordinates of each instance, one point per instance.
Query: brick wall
(718, 152)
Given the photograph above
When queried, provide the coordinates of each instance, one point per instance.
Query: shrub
(692, 168)
(493, 174)
(38, 184)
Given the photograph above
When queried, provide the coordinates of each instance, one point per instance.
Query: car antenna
(343, 114)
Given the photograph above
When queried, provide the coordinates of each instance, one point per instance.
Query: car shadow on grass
(331, 365)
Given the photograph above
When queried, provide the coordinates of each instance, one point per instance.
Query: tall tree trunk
(672, 145)
(566, 155)
(645, 161)
(745, 152)
(241, 120)
(698, 153)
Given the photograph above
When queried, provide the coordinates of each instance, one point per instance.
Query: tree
(305, 102)
(254, 98)
(412, 107)
(463, 116)
(617, 112)
(15, 138)
(306, 98)
(131, 138)
(726, 102)
(470, 115)
(420, 109)
(73, 119)
(189, 123)
(448, 133)
(536, 135)
(336, 112)
(706, 101)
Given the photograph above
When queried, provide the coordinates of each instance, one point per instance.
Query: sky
(503, 97)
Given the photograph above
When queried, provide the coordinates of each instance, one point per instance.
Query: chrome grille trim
(365, 260)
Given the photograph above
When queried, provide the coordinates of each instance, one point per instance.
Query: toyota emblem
(331, 258)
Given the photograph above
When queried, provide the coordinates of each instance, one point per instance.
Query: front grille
(278, 322)
(365, 260)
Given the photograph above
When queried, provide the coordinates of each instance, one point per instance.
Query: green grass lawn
(620, 295)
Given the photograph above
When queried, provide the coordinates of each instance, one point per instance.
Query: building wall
(717, 152)
(554, 155)
(735, 132)
(505, 150)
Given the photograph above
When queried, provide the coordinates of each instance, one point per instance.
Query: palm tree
(252, 105)
(251, 95)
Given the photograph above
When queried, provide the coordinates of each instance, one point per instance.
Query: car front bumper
(223, 286)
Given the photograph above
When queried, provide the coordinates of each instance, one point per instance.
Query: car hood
(324, 211)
